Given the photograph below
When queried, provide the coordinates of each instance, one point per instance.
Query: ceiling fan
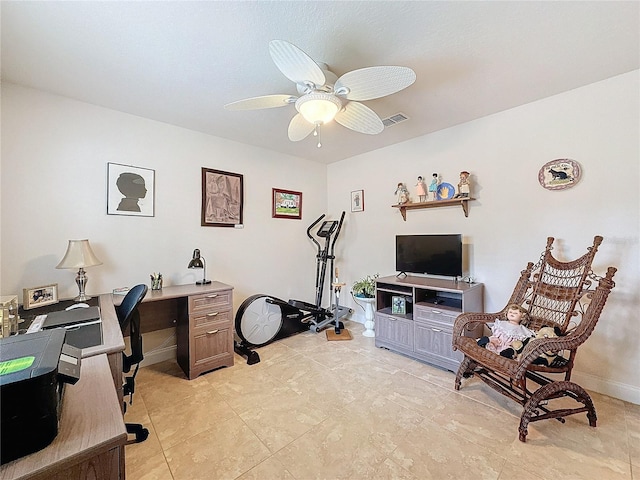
(324, 96)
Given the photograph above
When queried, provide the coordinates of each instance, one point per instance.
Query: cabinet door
(394, 332)
(433, 344)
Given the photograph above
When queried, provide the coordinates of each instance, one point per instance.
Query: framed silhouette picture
(130, 190)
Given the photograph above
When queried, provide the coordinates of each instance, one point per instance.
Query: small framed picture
(130, 190)
(398, 305)
(286, 204)
(357, 201)
(39, 296)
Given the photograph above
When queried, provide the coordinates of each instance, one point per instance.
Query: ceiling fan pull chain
(316, 133)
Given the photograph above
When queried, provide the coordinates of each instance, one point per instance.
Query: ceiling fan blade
(374, 82)
(360, 118)
(299, 128)
(296, 65)
(258, 103)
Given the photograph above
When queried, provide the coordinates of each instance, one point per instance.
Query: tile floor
(313, 409)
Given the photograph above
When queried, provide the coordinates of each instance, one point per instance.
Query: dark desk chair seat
(129, 317)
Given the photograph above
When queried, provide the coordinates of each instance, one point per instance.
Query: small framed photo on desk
(39, 296)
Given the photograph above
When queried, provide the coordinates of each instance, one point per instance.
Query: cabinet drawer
(212, 346)
(433, 314)
(209, 319)
(209, 301)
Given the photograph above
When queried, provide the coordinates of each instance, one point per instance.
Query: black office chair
(128, 316)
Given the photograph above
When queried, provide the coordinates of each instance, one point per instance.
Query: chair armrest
(468, 321)
(537, 346)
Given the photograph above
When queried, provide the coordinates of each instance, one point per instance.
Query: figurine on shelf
(433, 187)
(421, 192)
(402, 193)
(464, 186)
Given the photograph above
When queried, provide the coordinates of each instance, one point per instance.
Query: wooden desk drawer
(207, 318)
(211, 349)
(214, 323)
(208, 301)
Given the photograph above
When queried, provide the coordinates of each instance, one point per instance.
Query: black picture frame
(222, 198)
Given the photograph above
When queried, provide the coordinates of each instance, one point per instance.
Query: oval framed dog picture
(559, 174)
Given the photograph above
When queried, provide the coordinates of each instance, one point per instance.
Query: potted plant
(365, 287)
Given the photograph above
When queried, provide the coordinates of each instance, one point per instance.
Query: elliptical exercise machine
(262, 319)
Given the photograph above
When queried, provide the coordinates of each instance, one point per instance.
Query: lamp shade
(318, 107)
(196, 261)
(79, 255)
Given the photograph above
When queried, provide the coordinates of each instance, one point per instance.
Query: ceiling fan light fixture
(318, 107)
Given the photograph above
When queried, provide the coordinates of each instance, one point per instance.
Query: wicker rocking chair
(567, 295)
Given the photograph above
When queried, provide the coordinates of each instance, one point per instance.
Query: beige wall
(55, 152)
(54, 163)
(598, 126)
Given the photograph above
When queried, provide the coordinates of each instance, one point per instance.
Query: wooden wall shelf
(464, 202)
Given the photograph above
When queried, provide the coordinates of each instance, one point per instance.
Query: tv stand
(425, 330)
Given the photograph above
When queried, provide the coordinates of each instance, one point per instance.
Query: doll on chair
(504, 332)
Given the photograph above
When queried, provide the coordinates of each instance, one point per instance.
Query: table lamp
(79, 255)
(198, 262)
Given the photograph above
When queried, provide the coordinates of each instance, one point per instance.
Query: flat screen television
(429, 254)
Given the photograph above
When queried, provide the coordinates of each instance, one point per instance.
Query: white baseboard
(623, 391)
(159, 355)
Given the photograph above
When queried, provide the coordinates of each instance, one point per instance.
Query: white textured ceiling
(179, 62)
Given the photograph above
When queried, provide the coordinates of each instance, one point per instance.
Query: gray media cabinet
(430, 306)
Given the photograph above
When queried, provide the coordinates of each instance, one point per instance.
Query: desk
(92, 434)
(201, 314)
(90, 437)
(112, 341)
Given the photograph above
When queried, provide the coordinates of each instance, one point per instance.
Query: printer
(33, 370)
(83, 325)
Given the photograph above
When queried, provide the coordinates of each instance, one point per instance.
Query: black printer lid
(71, 317)
(30, 355)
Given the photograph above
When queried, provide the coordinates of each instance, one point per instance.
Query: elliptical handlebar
(335, 237)
(311, 236)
